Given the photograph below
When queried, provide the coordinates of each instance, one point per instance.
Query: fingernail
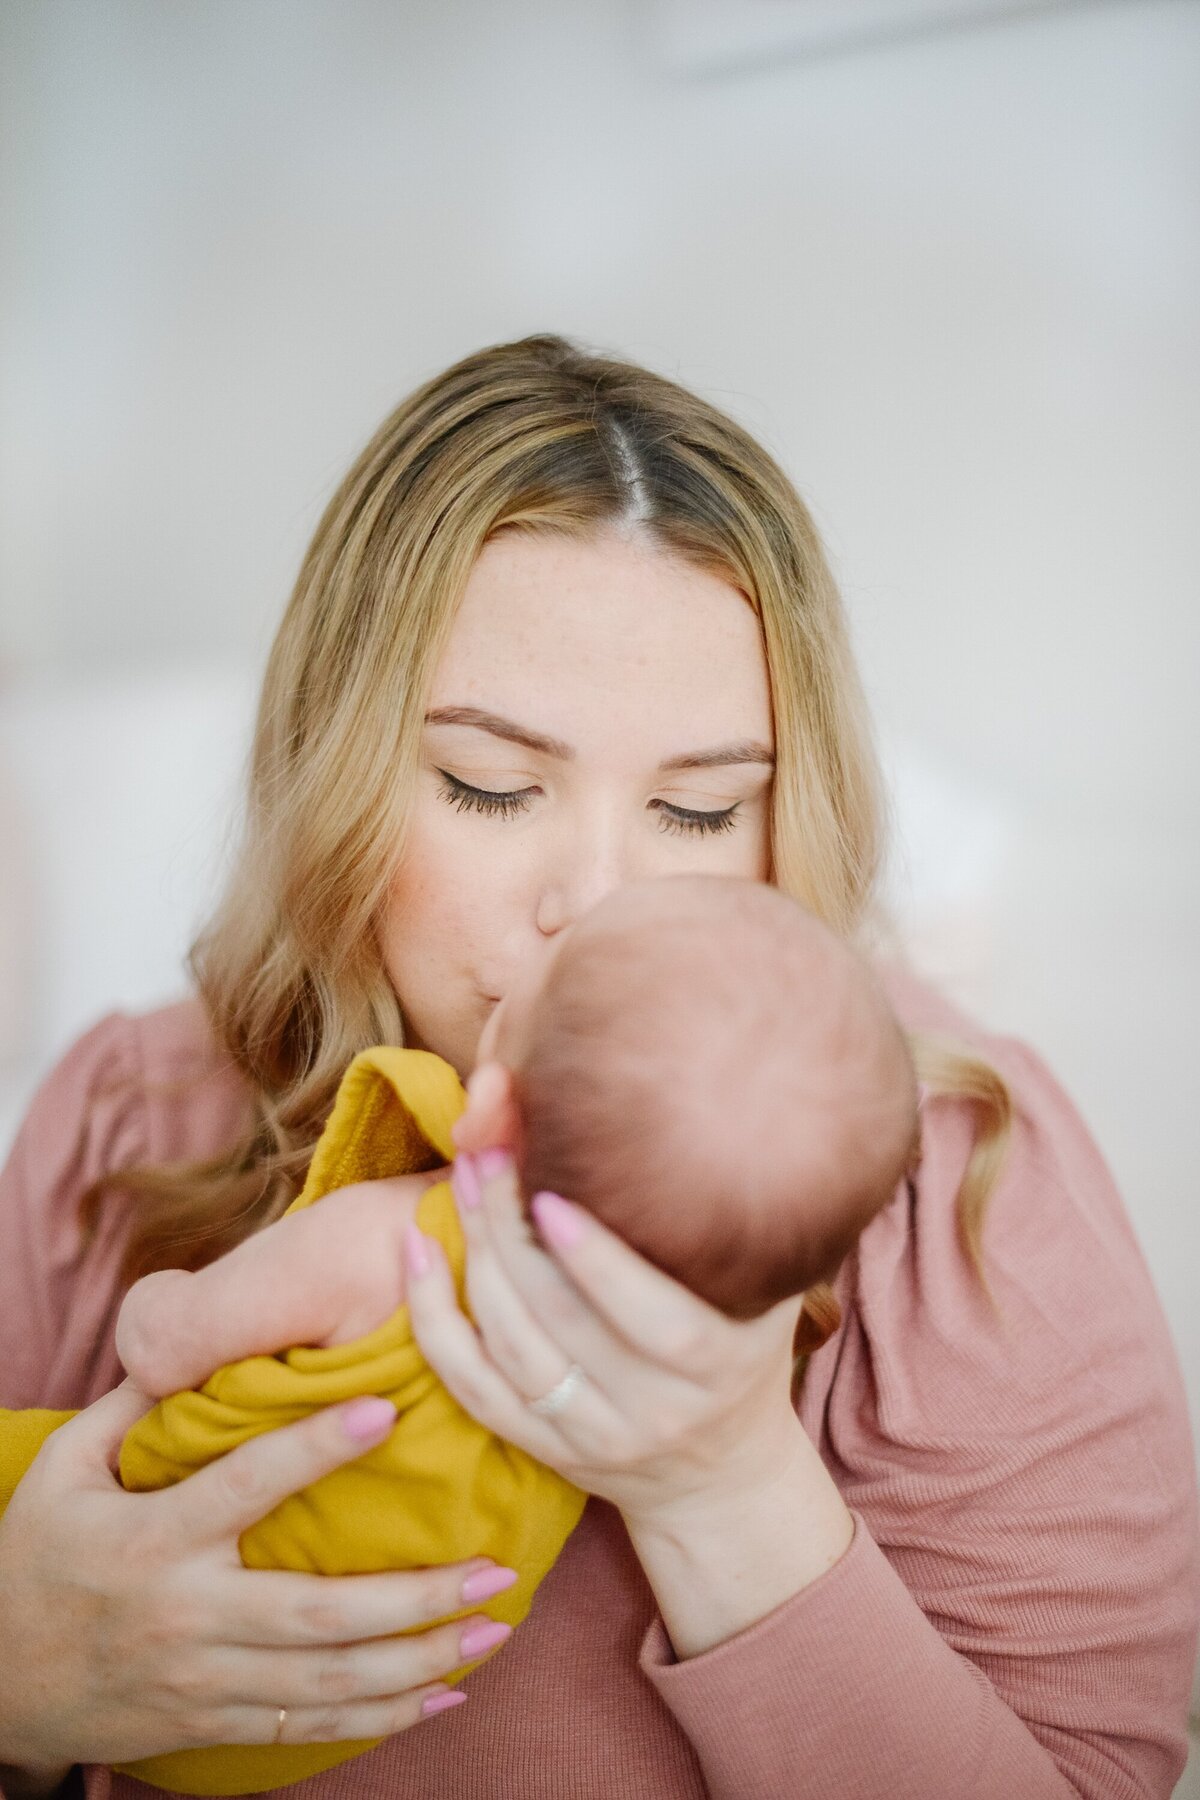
(557, 1220)
(368, 1418)
(415, 1252)
(436, 1703)
(485, 1634)
(465, 1182)
(493, 1163)
(486, 1582)
(922, 1094)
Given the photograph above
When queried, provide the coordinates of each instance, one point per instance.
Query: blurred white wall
(952, 282)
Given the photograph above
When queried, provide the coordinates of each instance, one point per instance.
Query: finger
(514, 1340)
(221, 1501)
(491, 1117)
(501, 1191)
(275, 1607)
(579, 1332)
(652, 1311)
(92, 1439)
(345, 1673)
(339, 1724)
(451, 1346)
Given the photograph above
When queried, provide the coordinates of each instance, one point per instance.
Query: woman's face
(601, 715)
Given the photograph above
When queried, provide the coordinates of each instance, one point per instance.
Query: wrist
(722, 1558)
(782, 1463)
(771, 1508)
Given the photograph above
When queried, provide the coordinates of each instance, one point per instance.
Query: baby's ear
(492, 1120)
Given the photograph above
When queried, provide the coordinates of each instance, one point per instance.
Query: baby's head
(716, 1076)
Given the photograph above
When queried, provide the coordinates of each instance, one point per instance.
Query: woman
(562, 626)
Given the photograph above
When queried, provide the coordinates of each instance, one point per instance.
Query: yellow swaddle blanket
(440, 1488)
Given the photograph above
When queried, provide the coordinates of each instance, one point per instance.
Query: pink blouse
(1016, 1615)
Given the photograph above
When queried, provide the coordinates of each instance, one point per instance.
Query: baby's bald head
(718, 1077)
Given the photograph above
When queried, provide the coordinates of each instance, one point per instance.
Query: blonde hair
(529, 436)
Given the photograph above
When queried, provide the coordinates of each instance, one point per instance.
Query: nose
(591, 865)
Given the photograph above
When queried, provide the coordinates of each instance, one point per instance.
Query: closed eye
(465, 798)
(683, 819)
(679, 820)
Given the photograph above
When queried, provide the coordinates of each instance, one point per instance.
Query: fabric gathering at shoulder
(86, 1119)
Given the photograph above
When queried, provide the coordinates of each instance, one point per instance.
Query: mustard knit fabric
(22, 1435)
(441, 1488)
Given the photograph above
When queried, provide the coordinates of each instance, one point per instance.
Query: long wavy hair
(532, 436)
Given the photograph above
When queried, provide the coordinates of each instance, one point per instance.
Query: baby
(701, 1064)
(716, 1076)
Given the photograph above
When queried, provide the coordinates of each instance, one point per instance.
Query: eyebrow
(743, 750)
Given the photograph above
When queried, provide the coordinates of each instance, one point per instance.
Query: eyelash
(678, 820)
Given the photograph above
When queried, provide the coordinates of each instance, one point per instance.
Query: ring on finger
(558, 1396)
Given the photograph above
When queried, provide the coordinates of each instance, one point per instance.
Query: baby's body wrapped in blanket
(441, 1488)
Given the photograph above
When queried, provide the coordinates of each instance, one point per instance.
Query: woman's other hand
(674, 1413)
(677, 1401)
(129, 1627)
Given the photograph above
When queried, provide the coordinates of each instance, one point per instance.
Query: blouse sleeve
(58, 1285)
(1017, 1611)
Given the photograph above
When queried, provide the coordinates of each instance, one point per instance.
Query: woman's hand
(679, 1416)
(682, 1418)
(677, 1400)
(128, 1625)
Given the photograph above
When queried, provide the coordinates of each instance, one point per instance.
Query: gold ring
(278, 1738)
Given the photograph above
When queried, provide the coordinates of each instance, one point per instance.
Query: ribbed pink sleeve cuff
(847, 1689)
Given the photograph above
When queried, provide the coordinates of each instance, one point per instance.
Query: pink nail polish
(369, 1419)
(465, 1182)
(416, 1253)
(557, 1220)
(486, 1582)
(485, 1634)
(436, 1703)
(493, 1163)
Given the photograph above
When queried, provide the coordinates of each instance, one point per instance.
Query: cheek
(745, 852)
(409, 914)
(445, 914)
(754, 860)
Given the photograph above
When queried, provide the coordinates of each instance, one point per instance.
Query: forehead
(573, 636)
